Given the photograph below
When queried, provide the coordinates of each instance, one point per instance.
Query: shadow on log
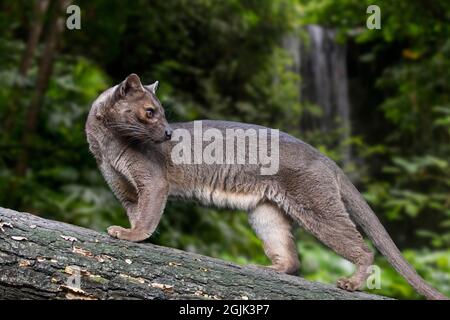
(43, 259)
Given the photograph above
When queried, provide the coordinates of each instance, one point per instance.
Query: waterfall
(321, 64)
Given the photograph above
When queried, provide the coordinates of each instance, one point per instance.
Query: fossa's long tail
(363, 215)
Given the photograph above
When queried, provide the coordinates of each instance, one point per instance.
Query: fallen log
(44, 259)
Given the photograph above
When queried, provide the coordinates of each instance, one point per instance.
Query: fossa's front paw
(127, 234)
(348, 284)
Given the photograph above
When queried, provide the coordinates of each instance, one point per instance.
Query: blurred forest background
(375, 101)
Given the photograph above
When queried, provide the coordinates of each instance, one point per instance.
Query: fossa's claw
(127, 234)
(348, 284)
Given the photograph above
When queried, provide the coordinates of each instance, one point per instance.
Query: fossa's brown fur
(130, 139)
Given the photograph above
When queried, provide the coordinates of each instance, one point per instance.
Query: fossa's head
(132, 110)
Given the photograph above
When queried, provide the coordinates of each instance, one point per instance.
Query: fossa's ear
(131, 84)
(153, 87)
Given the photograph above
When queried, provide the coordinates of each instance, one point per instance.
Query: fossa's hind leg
(328, 220)
(273, 227)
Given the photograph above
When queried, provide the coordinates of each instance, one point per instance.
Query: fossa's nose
(168, 133)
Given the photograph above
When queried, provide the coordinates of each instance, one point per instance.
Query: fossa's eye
(150, 112)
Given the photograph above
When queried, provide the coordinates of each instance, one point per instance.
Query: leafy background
(225, 60)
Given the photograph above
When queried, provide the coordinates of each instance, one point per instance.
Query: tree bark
(43, 259)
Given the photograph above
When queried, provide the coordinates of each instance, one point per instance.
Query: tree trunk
(43, 77)
(43, 259)
(36, 24)
(39, 9)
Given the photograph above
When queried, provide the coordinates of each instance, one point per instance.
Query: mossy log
(44, 259)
